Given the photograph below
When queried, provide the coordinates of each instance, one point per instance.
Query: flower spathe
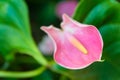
(76, 45)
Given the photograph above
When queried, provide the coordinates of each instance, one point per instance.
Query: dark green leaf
(110, 33)
(111, 37)
(83, 9)
(103, 13)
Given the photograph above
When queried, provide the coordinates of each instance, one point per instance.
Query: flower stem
(36, 54)
(27, 74)
(40, 59)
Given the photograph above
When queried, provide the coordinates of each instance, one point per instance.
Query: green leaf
(15, 14)
(103, 13)
(15, 34)
(110, 33)
(83, 9)
(111, 38)
(98, 12)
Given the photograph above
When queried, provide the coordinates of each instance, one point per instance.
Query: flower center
(78, 45)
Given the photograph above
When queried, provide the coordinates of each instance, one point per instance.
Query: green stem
(40, 59)
(32, 50)
(36, 54)
(26, 74)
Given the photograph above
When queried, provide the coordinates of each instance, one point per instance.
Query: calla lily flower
(76, 45)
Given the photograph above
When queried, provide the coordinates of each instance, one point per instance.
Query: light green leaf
(15, 13)
(15, 35)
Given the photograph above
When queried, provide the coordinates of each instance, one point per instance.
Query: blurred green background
(20, 35)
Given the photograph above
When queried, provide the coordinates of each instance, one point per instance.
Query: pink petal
(77, 45)
(67, 7)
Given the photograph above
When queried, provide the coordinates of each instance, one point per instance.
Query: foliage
(15, 36)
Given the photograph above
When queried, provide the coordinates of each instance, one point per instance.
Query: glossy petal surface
(76, 45)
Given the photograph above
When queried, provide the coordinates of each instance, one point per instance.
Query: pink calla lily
(76, 45)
